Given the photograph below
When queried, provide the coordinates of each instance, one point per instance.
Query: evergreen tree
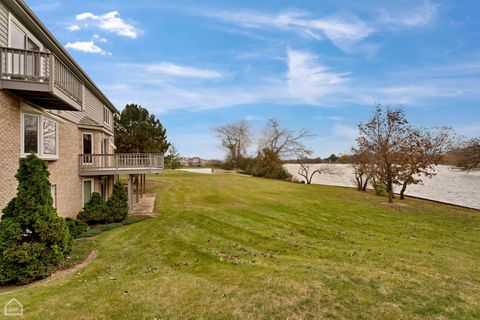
(94, 211)
(33, 239)
(117, 205)
(173, 158)
(136, 130)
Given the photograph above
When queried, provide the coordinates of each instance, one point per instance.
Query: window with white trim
(39, 136)
(107, 116)
(87, 190)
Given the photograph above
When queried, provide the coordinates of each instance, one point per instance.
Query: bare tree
(362, 167)
(281, 141)
(235, 138)
(382, 136)
(467, 155)
(421, 151)
(308, 170)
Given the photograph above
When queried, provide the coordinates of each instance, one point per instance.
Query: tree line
(275, 144)
(390, 152)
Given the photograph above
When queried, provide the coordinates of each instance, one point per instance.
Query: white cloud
(422, 15)
(86, 46)
(308, 80)
(110, 22)
(99, 38)
(343, 30)
(177, 70)
(74, 27)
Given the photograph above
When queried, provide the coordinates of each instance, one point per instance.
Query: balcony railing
(120, 163)
(35, 67)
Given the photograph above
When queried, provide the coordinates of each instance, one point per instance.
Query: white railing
(39, 67)
(120, 161)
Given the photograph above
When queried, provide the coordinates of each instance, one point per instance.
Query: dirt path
(60, 274)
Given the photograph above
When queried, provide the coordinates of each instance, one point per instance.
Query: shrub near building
(96, 211)
(33, 239)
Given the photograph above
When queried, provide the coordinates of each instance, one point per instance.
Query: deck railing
(120, 161)
(40, 67)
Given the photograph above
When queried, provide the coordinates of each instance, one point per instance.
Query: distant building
(194, 162)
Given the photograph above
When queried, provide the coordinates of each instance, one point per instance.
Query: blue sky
(311, 64)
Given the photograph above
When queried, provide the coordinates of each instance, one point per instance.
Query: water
(198, 170)
(450, 185)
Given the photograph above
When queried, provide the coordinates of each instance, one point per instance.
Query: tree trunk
(365, 185)
(359, 183)
(402, 192)
(390, 192)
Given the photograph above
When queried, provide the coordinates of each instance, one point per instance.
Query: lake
(450, 185)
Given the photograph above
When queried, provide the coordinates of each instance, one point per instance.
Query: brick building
(49, 106)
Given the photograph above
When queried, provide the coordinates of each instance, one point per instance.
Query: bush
(33, 239)
(267, 164)
(379, 188)
(94, 211)
(117, 206)
(76, 227)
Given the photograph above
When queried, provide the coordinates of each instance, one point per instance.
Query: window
(107, 115)
(53, 193)
(87, 191)
(39, 136)
(30, 134)
(19, 64)
(18, 38)
(87, 148)
(104, 188)
(49, 137)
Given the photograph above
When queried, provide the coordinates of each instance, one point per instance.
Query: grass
(228, 246)
(80, 251)
(93, 231)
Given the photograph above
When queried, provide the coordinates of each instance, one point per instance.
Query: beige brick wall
(9, 146)
(63, 172)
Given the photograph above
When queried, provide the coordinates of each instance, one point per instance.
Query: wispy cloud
(421, 15)
(99, 38)
(176, 70)
(110, 22)
(73, 27)
(308, 80)
(47, 5)
(86, 46)
(341, 29)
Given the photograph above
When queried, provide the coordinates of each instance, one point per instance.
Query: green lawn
(227, 246)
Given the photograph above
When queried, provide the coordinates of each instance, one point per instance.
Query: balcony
(121, 163)
(40, 78)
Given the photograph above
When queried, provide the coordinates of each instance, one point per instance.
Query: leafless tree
(362, 163)
(281, 141)
(467, 155)
(308, 170)
(235, 139)
(421, 152)
(382, 136)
